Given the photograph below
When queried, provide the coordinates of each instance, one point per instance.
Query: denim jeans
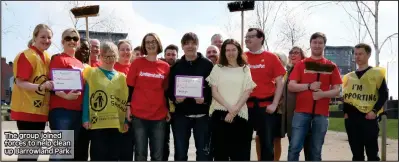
(301, 123)
(182, 127)
(64, 119)
(152, 132)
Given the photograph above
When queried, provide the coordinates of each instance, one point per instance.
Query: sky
(171, 19)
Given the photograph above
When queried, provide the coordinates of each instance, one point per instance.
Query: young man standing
(314, 89)
(267, 72)
(364, 92)
(170, 56)
(191, 113)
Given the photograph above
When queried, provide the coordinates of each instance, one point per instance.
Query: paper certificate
(188, 86)
(66, 79)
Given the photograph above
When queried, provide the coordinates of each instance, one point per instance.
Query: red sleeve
(131, 76)
(296, 72)
(24, 68)
(336, 76)
(278, 68)
(56, 62)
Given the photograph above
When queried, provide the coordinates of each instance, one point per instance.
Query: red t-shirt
(122, 68)
(149, 80)
(265, 67)
(65, 61)
(304, 99)
(24, 72)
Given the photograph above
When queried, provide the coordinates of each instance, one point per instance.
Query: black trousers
(105, 144)
(26, 125)
(166, 147)
(307, 146)
(230, 140)
(127, 145)
(82, 153)
(362, 133)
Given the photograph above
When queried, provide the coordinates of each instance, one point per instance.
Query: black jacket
(199, 67)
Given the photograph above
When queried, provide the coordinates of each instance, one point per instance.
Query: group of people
(128, 100)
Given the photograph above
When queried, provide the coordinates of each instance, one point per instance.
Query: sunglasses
(68, 38)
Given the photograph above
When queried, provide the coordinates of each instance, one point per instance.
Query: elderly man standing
(94, 52)
(217, 40)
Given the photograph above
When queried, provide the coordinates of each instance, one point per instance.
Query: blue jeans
(64, 119)
(182, 127)
(301, 123)
(152, 130)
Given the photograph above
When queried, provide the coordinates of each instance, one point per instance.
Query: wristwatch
(309, 86)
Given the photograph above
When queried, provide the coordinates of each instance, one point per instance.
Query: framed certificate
(189, 86)
(66, 79)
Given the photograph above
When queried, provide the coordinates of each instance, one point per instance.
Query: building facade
(343, 56)
(6, 74)
(103, 36)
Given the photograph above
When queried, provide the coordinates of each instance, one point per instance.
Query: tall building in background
(343, 56)
(103, 36)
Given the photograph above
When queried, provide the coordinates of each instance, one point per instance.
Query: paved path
(335, 147)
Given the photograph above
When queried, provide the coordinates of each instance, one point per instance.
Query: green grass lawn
(337, 124)
(334, 108)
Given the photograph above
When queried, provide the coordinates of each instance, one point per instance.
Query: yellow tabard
(363, 93)
(32, 102)
(107, 99)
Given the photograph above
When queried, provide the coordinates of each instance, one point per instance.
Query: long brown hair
(241, 59)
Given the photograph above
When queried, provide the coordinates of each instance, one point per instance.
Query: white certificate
(189, 86)
(66, 79)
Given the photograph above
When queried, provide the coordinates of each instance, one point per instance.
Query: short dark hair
(144, 50)
(259, 33)
(365, 46)
(172, 47)
(190, 36)
(138, 48)
(318, 35)
(241, 59)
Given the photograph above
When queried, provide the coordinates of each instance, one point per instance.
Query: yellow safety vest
(363, 93)
(107, 99)
(32, 102)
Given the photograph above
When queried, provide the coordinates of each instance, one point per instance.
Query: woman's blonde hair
(107, 47)
(69, 30)
(283, 58)
(36, 32)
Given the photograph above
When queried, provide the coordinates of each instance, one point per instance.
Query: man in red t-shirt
(267, 72)
(312, 99)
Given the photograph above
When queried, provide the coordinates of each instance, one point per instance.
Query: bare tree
(291, 31)
(266, 13)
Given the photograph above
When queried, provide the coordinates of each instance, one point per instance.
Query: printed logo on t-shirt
(146, 74)
(259, 66)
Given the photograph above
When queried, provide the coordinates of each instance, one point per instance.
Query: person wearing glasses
(31, 89)
(148, 113)
(66, 106)
(104, 105)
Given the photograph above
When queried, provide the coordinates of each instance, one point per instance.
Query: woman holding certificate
(104, 105)
(229, 112)
(147, 81)
(30, 97)
(66, 102)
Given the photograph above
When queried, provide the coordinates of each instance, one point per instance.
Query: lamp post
(241, 6)
(86, 12)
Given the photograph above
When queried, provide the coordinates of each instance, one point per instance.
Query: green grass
(338, 124)
(334, 108)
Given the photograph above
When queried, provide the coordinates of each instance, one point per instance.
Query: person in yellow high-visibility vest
(31, 95)
(364, 93)
(104, 105)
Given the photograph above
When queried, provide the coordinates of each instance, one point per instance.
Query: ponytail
(30, 43)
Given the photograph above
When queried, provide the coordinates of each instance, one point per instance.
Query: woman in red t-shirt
(125, 55)
(66, 106)
(147, 82)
